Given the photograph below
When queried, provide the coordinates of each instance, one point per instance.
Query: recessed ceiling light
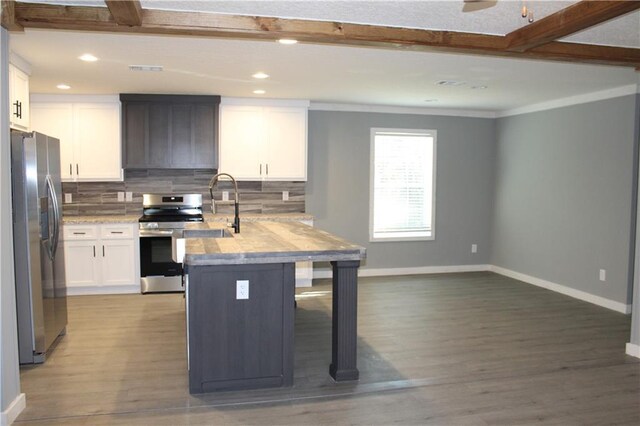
(88, 57)
(260, 75)
(287, 41)
(259, 92)
(148, 68)
(450, 83)
(479, 87)
(63, 86)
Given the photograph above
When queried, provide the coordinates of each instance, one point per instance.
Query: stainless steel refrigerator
(41, 293)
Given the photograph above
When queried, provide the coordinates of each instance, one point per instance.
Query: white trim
(107, 289)
(383, 272)
(43, 97)
(633, 350)
(567, 291)
(572, 100)
(390, 109)
(14, 409)
(298, 103)
(19, 62)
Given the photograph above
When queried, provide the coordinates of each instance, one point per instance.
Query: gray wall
(338, 185)
(9, 372)
(635, 314)
(564, 195)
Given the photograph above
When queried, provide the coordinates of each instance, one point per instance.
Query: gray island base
(245, 340)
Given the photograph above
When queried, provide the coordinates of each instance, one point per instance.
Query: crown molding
(616, 92)
(390, 109)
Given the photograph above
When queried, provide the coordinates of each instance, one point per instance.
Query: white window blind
(402, 184)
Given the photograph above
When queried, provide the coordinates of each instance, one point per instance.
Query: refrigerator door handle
(56, 216)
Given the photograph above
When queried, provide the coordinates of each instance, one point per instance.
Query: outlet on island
(242, 289)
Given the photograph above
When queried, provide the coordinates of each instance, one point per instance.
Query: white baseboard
(107, 289)
(14, 409)
(633, 350)
(383, 272)
(567, 291)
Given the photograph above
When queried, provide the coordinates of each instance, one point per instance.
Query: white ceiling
(327, 73)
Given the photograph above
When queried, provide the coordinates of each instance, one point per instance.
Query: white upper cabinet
(265, 141)
(89, 133)
(19, 95)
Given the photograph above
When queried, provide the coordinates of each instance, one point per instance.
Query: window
(403, 170)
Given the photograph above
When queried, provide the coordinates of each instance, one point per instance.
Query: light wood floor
(459, 349)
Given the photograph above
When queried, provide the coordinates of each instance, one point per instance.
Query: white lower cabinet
(101, 259)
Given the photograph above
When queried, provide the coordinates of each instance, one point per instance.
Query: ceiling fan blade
(473, 5)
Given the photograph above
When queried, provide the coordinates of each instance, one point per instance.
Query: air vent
(450, 83)
(148, 68)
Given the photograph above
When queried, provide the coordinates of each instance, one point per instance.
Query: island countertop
(268, 242)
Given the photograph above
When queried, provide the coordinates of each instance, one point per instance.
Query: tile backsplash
(101, 198)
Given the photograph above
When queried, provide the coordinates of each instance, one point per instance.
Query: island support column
(344, 318)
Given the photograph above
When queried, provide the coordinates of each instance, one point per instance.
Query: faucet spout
(212, 183)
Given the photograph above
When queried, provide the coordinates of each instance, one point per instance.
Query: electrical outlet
(129, 195)
(121, 196)
(68, 198)
(242, 289)
(225, 195)
(603, 274)
(285, 195)
(474, 248)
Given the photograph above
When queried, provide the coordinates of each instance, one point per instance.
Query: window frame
(426, 132)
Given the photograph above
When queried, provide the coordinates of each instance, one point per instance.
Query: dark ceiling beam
(8, 16)
(127, 12)
(572, 19)
(159, 22)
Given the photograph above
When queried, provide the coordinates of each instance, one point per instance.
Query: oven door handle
(155, 233)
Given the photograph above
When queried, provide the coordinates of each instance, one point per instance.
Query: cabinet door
(135, 141)
(19, 95)
(80, 263)
(242, 142)
(56, 119)
(118, 265)
(181, 135)
(286, 134)
(97, 141)
(204, 132)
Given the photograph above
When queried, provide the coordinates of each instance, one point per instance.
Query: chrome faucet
(212, 183)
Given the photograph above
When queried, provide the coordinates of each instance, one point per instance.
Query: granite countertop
(96, 220)
(258, 217)
(208, 217)
(268, 242)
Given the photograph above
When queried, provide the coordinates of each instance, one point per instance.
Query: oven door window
(155, 258)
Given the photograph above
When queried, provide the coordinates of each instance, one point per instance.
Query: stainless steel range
(162, 214)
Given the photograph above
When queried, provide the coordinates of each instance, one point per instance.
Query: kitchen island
(240, 302)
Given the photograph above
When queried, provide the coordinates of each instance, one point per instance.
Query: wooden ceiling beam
(572, 19)
(8, 16)
(159, 22)
(128, 12)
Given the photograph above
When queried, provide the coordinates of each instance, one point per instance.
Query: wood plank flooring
(460, 349)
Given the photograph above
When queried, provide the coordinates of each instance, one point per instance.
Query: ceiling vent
(450, 83)
(147, 68)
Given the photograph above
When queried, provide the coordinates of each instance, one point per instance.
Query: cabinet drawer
(80, 232)
(117, 231)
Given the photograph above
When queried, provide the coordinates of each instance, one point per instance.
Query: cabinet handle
(17, 105)
(19, 109)
(70, 169)
(260, 169)
(267, 169)
(94, 251)
(79, 233)
(117, 232)
(102, 251)
(77, 170)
